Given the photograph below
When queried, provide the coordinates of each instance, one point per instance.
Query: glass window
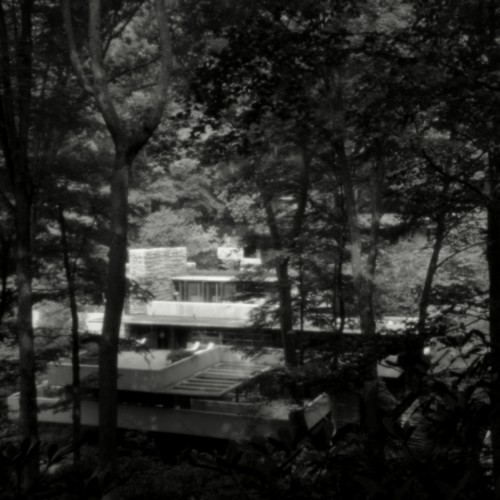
(211, 292)
(193, 292)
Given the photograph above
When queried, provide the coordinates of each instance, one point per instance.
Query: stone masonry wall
(152, 269)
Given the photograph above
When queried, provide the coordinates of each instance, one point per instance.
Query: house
(203, 305)
(201, 394)
(189, 304)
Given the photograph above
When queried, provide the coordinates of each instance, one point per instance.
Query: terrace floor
(216, 380)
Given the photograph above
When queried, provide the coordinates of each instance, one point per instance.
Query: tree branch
(153, 114)
(118, 31)
(166, 60)
(303, 196)
(456, 252)
(377, 186)
(8, 129)
(25, 77)
(430, 161)
(73, 52)
(101, 88)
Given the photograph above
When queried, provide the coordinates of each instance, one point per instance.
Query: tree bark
(284, 285)
(115, 298)
(75, 340)
(363, 270)
(27, 386)
(15, 120)
(493, 254)
(362, 285)
(431, 272)
(6, 248)
(128, 139)
(361, 276)
(286, 311)
(284, 243)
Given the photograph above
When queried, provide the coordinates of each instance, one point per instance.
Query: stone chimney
(153, 269)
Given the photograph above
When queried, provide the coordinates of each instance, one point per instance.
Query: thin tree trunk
(436, 250)
(493, 253)
(115, 299)
(338, 302)
(362, 278)
(286, 311)
(15, 120)
(377, 186)
(362, 284)
(284, 285)
(4, 293)
(431, 272)
(287, 243)
(75, 340)
(363, 273)
(28, 394)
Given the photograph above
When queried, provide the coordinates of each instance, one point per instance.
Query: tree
(71, 212)
(128, 137)
(453, 83)
(6, 257)
(16, 52)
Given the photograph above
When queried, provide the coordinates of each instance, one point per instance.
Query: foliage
(167, 228)
(432, 437)
(262, 96)
(178, 354)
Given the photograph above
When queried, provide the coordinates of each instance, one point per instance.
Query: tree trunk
(128, 139)
(284, 285)
(28, 403)
(75, 340)
(15, 120)
(286, 311)
(115, 299)
(493, 254)
(287, 242)
(363, 286)
(338, 299)
(361, 278)
(4, 293)
(431, 271)
(363, 273)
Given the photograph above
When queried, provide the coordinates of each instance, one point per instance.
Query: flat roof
(202, 322)
(146, 319)
(194, 277)
(222, 278)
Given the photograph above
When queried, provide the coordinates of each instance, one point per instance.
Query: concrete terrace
(193, 396)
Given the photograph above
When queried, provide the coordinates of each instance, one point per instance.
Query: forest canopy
(352, 145)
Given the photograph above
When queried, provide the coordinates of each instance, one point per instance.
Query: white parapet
(225, 310)
(146, 372)
(207, 418)
(219, 425)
